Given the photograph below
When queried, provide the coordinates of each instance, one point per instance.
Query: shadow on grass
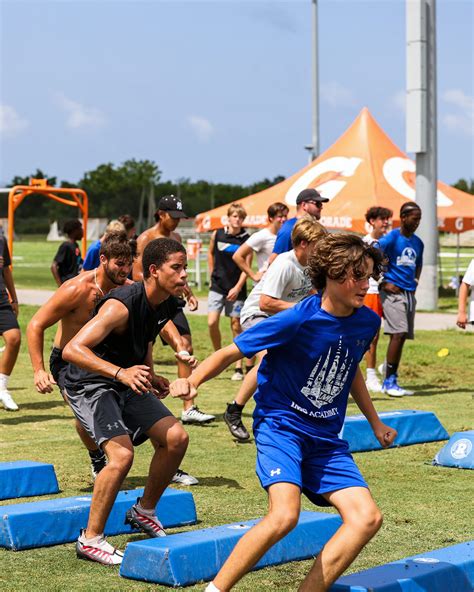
(218, 481)
(17, 419)
(44, 404)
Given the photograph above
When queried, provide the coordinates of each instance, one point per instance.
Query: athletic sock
(92, 540)
(4, 382)
(248, 368)
(211, 588)
(371, 373)
(235, 407)
(239, 370)
(391, 369)
(142, 510)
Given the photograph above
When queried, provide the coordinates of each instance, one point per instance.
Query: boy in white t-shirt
(261, 243)
(379, 218)
(464, 316)
(284, 284)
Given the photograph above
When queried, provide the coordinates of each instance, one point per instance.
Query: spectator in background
(308, 203)
(9, 327)
(92, 260)
(129, 224)
(68, 261)
(404, 251)
(465, 317)
(379, 219)
(261, 243)
(228, 289)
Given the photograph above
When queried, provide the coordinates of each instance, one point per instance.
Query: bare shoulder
(74, 291)
(176, 236)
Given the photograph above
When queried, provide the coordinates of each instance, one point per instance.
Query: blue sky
(214, 90)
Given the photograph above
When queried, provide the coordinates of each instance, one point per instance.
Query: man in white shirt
(379, 218)
(284, 284)
(261, 243)
(464, 316)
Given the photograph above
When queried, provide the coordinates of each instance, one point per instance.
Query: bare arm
(271, 305)
(210, 253)
(462, 309)
(10, 286)
(55, 272)
(137, 270)
(112, 316)
(243, 258)
(384, 434)
(272, 258)
(172, 337)
(66, 299)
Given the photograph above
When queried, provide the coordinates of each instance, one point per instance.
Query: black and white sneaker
(195, 415)
(233, 419)
(148, 524)
(183, 478)
(97, 549)
(98, 462)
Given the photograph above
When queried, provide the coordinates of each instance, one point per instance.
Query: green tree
(464, 185)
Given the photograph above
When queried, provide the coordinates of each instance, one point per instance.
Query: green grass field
(424, 507)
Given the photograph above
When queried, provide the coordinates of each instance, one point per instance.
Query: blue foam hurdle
(413, 427)
(25, 478)
(186, 558)
(458, 452)
(53, 522)
(450, 569)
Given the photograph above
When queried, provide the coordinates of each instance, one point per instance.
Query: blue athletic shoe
(390, 386)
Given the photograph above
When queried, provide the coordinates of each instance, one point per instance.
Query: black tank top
(128, 348)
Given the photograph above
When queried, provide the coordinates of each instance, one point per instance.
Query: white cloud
(11, 123)
(337, 95)
(78, 115)
(202, 127)
(463, 118)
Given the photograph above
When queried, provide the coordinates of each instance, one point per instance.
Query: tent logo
(461, 448)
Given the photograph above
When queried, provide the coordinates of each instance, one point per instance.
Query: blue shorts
(288, 455)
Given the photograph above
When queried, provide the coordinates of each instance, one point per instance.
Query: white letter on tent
(337, 164)
(393, 170)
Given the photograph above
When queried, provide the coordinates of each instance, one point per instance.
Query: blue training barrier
(458, 452)
(186, 558)
(53, 522)
(413, 427)
(450, 569)
(25, 478)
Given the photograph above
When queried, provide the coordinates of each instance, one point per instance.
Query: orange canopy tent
(363, 168)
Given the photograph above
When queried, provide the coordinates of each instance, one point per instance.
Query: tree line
(134, 187)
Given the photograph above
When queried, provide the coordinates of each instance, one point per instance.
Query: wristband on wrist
(183, 353)
(117, 373)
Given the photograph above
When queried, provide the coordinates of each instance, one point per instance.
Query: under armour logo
(179, 205)
(275, 472)
(111, 426)
(360, 342)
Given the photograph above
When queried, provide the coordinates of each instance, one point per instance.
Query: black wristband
(116, 374)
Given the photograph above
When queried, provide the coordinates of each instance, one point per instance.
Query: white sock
(3, 382)
(211, 588)
(92, 540)
(143, 510)
(371, 373)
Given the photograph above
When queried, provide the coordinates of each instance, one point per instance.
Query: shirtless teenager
(168, 215)
(71, 306)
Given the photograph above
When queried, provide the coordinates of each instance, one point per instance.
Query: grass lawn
(424, 507)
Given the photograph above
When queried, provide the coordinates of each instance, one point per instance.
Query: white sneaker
(195, 415)
(183, 478)
(7, 401)
(237, 376)
(98, 549)
(382, 369)
(373, 384)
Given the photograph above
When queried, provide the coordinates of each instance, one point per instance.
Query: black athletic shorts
(106, 412)
(7, 318)
(181, 323)
(58, 367)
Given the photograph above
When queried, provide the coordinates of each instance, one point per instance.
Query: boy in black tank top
(114, 392)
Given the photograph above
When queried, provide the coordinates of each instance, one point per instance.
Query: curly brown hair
(339, 255)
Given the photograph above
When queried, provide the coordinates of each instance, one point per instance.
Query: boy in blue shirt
(404, 251)
(312, 364)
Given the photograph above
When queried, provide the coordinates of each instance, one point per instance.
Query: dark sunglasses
(319, 204)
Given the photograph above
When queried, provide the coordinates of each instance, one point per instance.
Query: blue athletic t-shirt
(404, 255)
(311, 361)
(92, 260)
(283, 240)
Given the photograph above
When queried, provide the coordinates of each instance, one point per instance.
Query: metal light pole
(313, 148)
(422, 135)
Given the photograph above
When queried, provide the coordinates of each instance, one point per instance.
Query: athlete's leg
(119, 451)
(183, 369)
(361, 521)
(236, 330)
(12, 339)
(371, 355)
(214, 331)
(170, 442)
(249, 384)
(394, 352)
(283, 514)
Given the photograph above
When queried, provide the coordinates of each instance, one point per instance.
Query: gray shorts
(216, 302)
(252, 321)
(106, 413)
(399, 313)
